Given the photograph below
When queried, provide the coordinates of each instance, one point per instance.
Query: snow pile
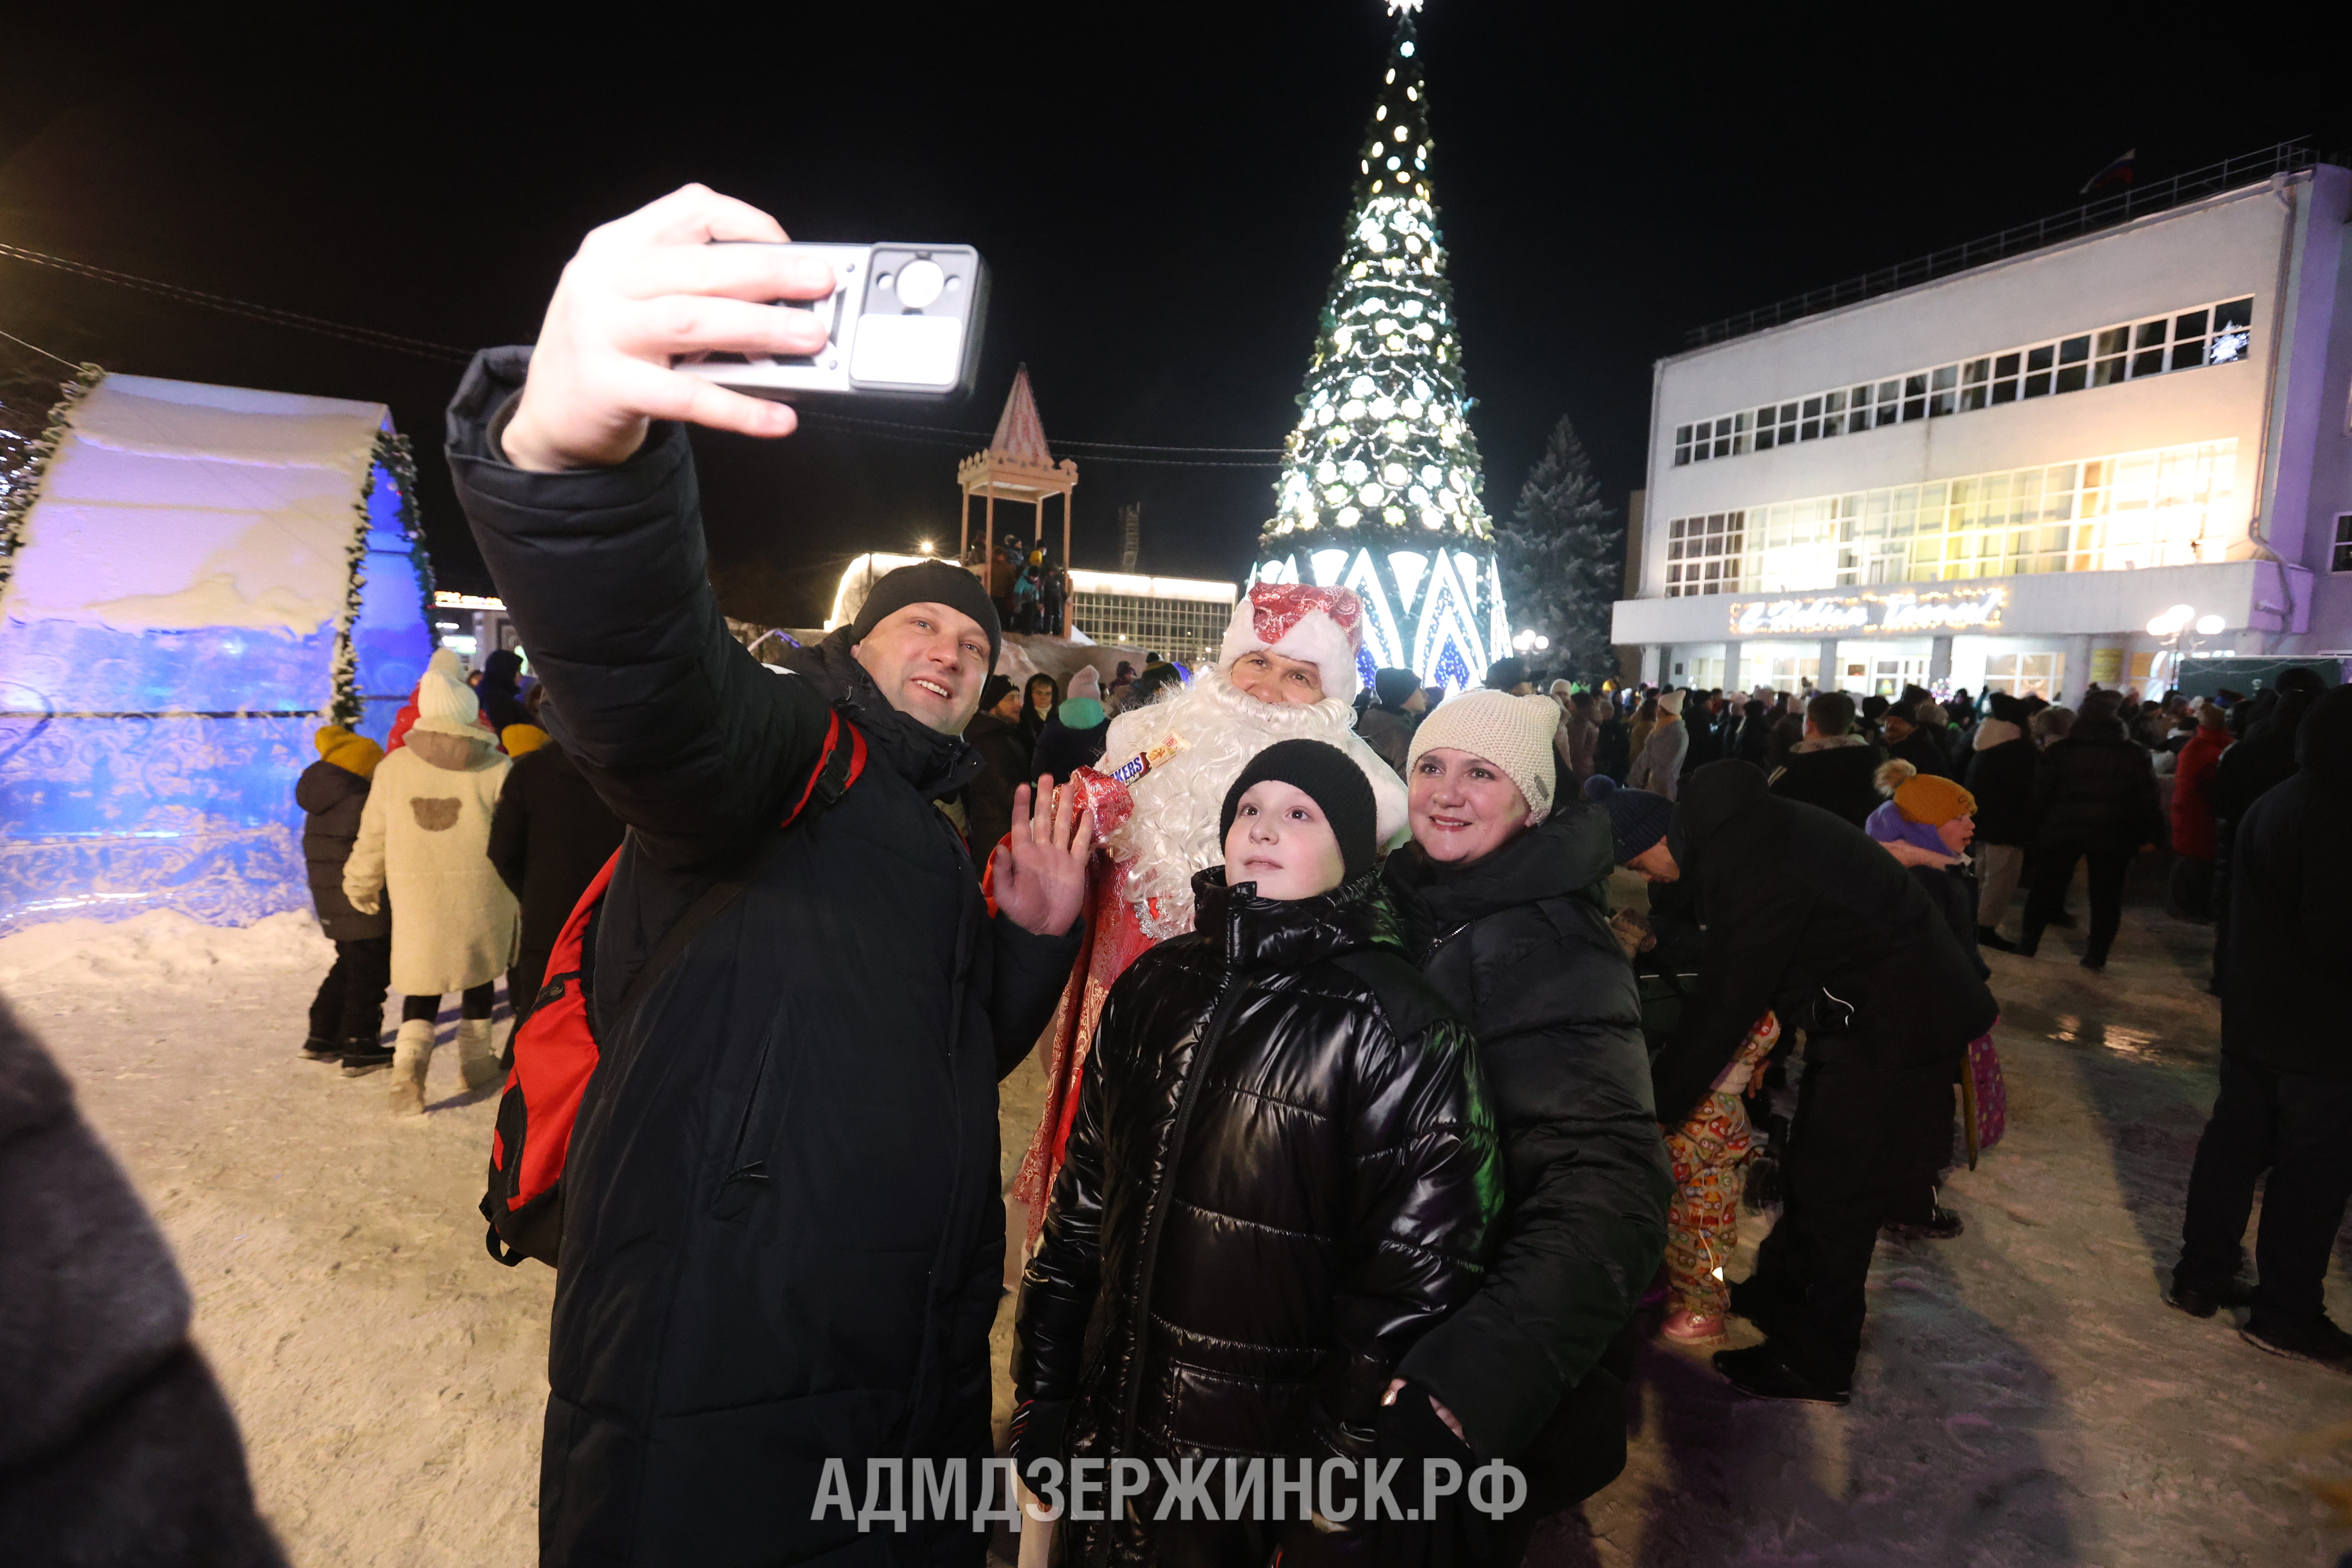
(159, 947)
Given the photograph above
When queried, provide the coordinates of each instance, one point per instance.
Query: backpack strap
(836, 769)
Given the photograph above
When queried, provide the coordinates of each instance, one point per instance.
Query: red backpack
(555, 1050)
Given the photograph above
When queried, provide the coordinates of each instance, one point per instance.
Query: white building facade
(2001, 477)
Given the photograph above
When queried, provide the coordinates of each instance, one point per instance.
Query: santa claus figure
(1286, 671)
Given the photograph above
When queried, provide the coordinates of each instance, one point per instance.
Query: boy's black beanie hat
(1330, 778)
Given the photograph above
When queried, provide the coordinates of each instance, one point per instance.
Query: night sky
(1159, 196)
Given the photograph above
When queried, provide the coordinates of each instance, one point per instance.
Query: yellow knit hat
(1932, 801)
(353, 754)
(520, 739)
(327, 736)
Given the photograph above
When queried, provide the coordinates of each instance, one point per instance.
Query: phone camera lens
(919, 283)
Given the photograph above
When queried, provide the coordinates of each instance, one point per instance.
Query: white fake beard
(1172, 834)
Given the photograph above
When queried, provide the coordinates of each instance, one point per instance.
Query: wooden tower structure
(1016, 467)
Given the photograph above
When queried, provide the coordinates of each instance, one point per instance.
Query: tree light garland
(1381, 478)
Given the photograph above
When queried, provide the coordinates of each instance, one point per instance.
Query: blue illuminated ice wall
(156, 769)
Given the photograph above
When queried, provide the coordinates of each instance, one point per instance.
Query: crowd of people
(1399, 1047)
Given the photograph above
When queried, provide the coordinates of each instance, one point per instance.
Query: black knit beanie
(930, 582)
(1330, 778)
(1395, 686)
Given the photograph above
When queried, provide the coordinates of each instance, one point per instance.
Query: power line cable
(37, 349)
(392, 342)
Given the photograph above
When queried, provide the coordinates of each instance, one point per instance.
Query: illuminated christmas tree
(1380, 482)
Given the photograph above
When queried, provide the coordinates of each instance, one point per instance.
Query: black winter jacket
(1062, 750)
(2001, 779)
(1923, 748)
(1519, 944)
(2290, 905)
(549, 837)
(117, 1449)
(331, 799)
(1793, 901)
(2096, 790)
(783, 1237)
(1282, 1156)
(1004, 767)
(1840, 780)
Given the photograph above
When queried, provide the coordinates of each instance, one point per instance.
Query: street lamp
(2176, 623)
(1529, 642)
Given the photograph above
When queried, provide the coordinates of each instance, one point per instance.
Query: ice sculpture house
(193, 579)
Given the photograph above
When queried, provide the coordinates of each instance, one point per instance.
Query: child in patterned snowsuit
(1702, 1218)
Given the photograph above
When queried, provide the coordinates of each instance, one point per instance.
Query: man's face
(1419, 701)
(1008, 707)
(1656, 864)
(930, 662)
(1271, 678)
(1898, 729)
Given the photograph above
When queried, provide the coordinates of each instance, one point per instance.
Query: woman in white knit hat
(1497, 892)
(425, 840)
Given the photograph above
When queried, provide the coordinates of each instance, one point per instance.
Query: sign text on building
(1896, 614)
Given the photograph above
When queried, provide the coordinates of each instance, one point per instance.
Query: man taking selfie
(782, 1238)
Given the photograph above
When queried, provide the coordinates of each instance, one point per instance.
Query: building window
(2103, 514)
(2025, 674)
(1187, 630)
(1704, 554)
(2128, 350)
(2340, 558)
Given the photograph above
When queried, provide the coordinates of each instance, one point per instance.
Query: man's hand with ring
(643, 291)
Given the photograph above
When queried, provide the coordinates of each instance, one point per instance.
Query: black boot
(2318, 1339)
(1761, 1374)
(1993, 940)
(364, 1055)
(2203, 1298)
(1941, 1225)
(316, 1049)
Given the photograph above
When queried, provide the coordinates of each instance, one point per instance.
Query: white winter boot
(475, 1058)
(411, 1054)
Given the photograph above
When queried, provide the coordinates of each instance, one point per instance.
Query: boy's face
(1280, 841)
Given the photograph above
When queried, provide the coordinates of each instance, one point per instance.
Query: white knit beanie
(447, 706)
(1514, 733)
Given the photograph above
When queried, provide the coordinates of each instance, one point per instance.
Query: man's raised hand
(642, 290)
(1040, 870)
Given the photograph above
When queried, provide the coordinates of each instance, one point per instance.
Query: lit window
(2340, 558)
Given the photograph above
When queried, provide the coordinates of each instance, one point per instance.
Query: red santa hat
(1316, 625)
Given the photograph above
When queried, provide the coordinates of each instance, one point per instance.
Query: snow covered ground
(2024, 1397)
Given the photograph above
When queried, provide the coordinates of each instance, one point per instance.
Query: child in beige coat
(425, 840)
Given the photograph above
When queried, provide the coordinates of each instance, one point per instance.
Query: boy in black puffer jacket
(1282, 1162)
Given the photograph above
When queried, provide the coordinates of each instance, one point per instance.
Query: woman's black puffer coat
(331, 799)
(2096, 790)
(1518, 944)
(1282, 1150)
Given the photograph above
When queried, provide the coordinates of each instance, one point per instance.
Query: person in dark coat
(1832, 767)
(1752, 742)
(501, 704)
(1500, 893)
(549, 837)
(2094, 799)
(2262, 757)
(117, 1449)
(1282, 1174)
(782, 1239)
(1075, 737)
(1912, 739)
(1613, 752)
(2000, 774)
(347, 1015)
(995, 733)
(1926, 824)
(1808, 918)
(2285, 1101)
(1039, 697)
(1388, 724)
(1702, 718)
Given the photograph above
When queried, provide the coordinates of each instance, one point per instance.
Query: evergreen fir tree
(1562, 557)
(1380, 482)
